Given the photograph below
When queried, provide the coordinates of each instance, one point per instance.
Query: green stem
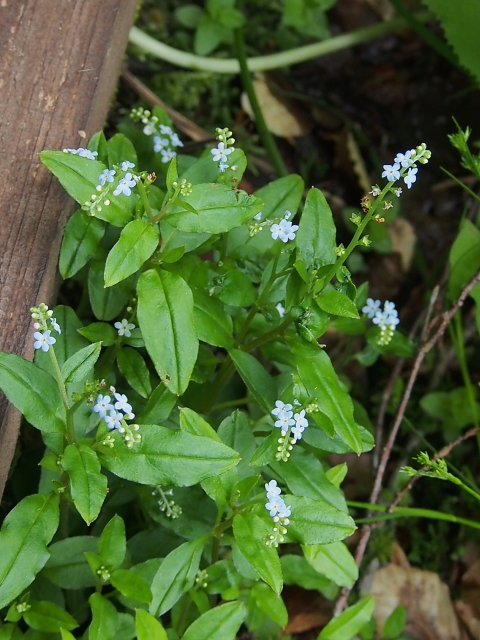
(275, 61)
(356, 237)
(145, 201)
(456, 333)
(265, 135)
(461, 184)
(63, 392)
(408, 512)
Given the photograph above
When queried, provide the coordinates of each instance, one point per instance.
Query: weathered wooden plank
(59, 64)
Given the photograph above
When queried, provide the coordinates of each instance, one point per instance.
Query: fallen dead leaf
(426, 598)
(282, 116)
(403, 239)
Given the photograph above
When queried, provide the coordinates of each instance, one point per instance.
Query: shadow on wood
(59, 64)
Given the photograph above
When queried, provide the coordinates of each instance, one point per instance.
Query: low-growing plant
(188, 412)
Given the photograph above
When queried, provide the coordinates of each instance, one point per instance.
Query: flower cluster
(166, 506)
(83, 153)
(292, 426)
(106, 186)
(115, 415)
(165, 140)
(405, 165)
(386, 320)
(44, 324)
(284, 230)
(224, 148)
(279, 512)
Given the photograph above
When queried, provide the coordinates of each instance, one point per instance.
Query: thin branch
(367, 529)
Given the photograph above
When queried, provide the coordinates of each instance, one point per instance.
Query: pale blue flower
(126, 165)
(371, 307)
(122, 403)
(43, 340)
(125, 185)
(107, 175)
(272, 489)
(124, 327)
(391, 172)
(103, 405)
(113, 420)
(411, 176)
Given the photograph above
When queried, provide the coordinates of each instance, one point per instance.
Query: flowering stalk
(279, 512)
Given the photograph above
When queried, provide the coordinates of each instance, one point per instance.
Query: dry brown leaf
(403, 239)
(467, 616)
(282, 117)
(431, 615)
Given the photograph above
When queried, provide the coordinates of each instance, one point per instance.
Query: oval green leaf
(165, 315)
(78, 366)
(87, 485)
(220, 623)
(336, 303)
(316, 234)
(81, 238)
(138, 240)
(317, 521)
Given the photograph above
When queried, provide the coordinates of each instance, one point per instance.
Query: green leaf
(12, 632)
(259, 382)
(104, 623)
(270, 603)
(81, 239)
(25, 534)
(132, 366)
(112, 545)
(159, 406)
(395, 623)
(219, 209)
(79, 177)
(316, 236)
(464, 258)
(250, 532)
(191, 422)
(87, 485)
(67, 566)
(208, 35)
(318, 376)
(131, 585)
(459, 21)
(297, 571)
(214, 325)
(333, 561)
(304, 476)
(349, 622)
(33, 391)
(108, 302)
(148, 627)
(48, 617)
(237, 289)
(176, 575)
(99, 332)
(189, 15)
(165, 315)
(78, 366)
(169, 457)
(317, 521)
(137, 242)
(236, 432)
(120, 149)
(337, 304)
(220, 623)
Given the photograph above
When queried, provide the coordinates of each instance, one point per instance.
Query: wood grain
(59, 64)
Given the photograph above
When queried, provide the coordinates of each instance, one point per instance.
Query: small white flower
(272, 489)
(288, 215)
(122, 404)
(106, 176)
(284, 511)
(281, 407)
(166, 129)
(160, 143)
(296, 433)
(175, 140)
(284, 231)
(389, 308)
(398, 192)
(274, 504)
(125, 185)
(371, 307)
(167, 155)
(281, 309)
(55, 325)
(113, 420)
(43, 340)
(391, 172)
(148, 129)
(223, 166)
(300, 420)
(376, 191)
(124, 328)
(103, 405)
(126, 165)
(405, 159)
(285, 421)
(83, 153)
(258, 216)
(221, 152)
(410, 178)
